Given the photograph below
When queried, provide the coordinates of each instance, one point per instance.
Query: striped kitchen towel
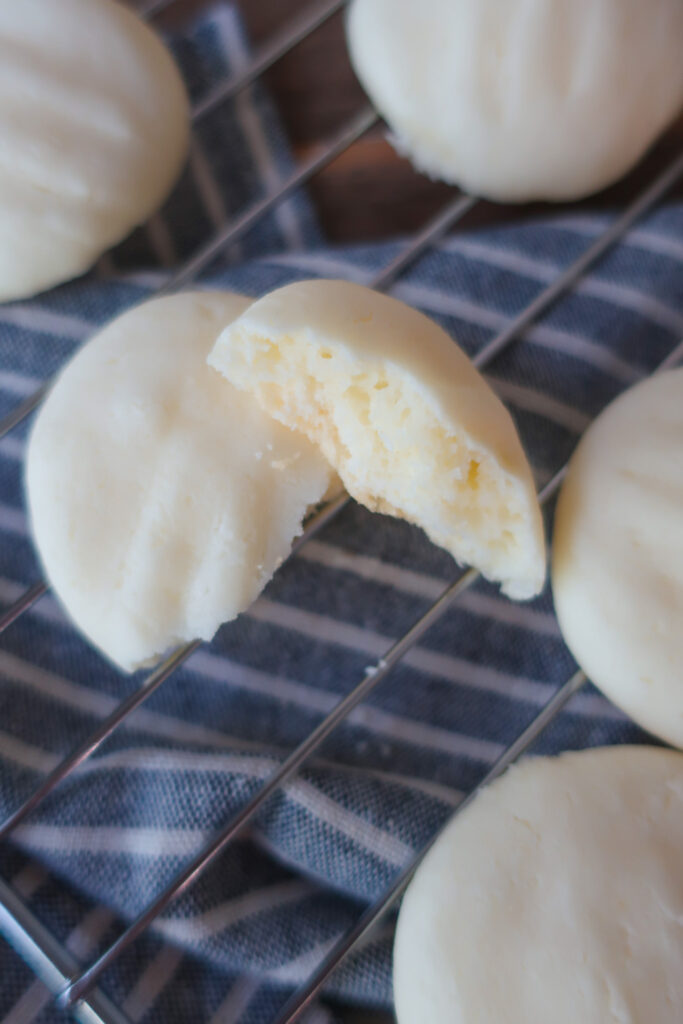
(257, 922)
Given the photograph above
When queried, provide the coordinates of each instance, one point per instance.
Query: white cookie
(618, 554)
(522, 99)
(94, 128)
(555, 898)
(162, 500)
(401, 413)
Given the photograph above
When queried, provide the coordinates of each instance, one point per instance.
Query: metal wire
(50, 961)
(126, 707)
(451, 213)
(454, 211)
(81, 985)
(445, 219)
(302, 999)
(371, 680)
(358, 126)
(662, 184)
(82, 753)
(24, 409)
(325, 154)
(297, 30)
(435, 229)
(429, 235)
(673, 359)
(279, 46)
(25, 602)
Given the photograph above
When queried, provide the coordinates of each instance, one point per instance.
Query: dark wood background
(316, 92)
(370, 192)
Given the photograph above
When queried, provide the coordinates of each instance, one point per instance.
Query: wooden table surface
(370, 192)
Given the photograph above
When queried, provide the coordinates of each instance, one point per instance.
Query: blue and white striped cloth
(260, 919)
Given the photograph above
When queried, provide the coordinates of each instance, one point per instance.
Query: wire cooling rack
(75, 988)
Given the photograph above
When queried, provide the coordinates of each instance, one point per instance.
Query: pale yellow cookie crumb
(401, 413)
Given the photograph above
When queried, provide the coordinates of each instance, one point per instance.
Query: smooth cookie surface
(556, 896)
(618, 554)
(520, 100)
(162, 499)
(94, 128)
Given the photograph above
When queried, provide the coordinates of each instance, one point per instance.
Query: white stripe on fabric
(152, 279)
(381, 842)
(316, 1016)
(659, 245)
(542, 334)
(637, 238)
(161, 240)
(226, 915)
(21, 753)
(28, 881)
(377, 840)
(159, 724)
(236, 1002)
(382, 723)
(51, 685)
(29, 1005)
(580, 224)
(445, 666)
(429, 587)
(86, 936)
(111, 839)
(446, 794)
(151, 842)
(154, 979)
(49, 610)
(12, 447)
(81, 942)
(260, 766)
(221, 670)
(45, 321)
(620, 295)
(300, 968)
(447, 304)
(530, 400)
(323, 264)
(252, 125)
(327, 630)
(95, 702)
(18, 383)
(13, 520)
